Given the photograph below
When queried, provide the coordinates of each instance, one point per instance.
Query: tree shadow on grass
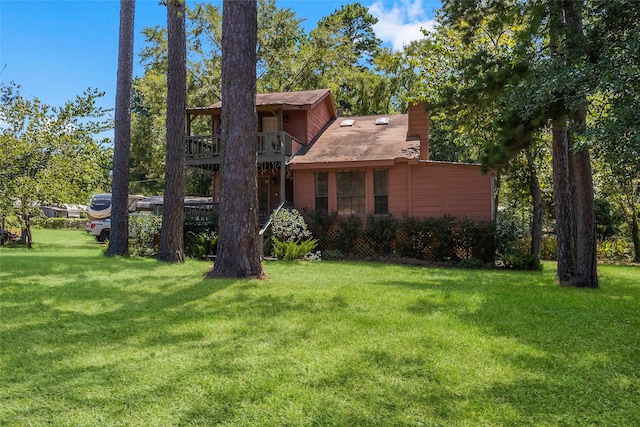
(573, 352)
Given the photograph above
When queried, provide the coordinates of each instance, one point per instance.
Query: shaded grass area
(88, 340)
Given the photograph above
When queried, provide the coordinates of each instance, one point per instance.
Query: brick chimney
(419, 127)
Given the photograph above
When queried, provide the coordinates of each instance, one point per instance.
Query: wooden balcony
(207, 149)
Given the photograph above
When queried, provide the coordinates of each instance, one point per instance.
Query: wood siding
(317, 119)
(296, 124)
(454, 189)
(303, 190)
(421, 190)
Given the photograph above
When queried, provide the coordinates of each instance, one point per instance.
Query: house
(310, 157)
(63, 211)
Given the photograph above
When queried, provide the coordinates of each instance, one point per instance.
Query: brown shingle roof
(299, 99)
(363, 141)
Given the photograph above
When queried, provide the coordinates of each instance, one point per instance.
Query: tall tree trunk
(119, 235)
(560, 154)
(562, 202)
(26, 231)
(238, 253)
(586, 274)
(537, 205)
(172, 234)
(635, 234)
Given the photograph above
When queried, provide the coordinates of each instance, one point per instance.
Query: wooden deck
(207, 149)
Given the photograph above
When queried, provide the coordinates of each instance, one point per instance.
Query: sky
(56, 49)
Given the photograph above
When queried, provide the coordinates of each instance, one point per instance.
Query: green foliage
(58, 223)
(510, 234)
(608, 221)
(614, 249)
(320, 225)
(290, 250)
(549, 250)
(521, 260)
(382, 232)
(291, 238)
(476, 240)
(201, 245)
(430, 238)
(48, 155)
(144, 234)
(349, 229)
(288, 225)
(332, 255)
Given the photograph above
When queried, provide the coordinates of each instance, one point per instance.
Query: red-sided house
(355, 165)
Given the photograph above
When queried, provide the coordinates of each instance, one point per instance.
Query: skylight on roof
(382, 121)
(347, 122)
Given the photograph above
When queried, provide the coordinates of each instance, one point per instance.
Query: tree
(238, 252)
(172, 235)
(49, 155)
(543, 77)
(615, 53)
(119, 236)
(351, 27)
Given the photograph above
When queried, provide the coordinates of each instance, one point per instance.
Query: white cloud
(402, 21)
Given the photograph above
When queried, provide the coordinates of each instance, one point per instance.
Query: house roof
(304, 99)
(363, 141)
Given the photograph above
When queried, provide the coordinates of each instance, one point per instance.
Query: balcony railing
(209, 147)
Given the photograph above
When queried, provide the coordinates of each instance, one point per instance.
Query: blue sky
(56, 49)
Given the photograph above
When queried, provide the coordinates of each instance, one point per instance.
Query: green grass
(87, 340)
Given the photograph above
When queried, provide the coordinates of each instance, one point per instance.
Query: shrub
(472, 263)
(289, 225)
(60, 223)
(510, 235)
(332, 254)
(293, 249)
(614, 250)
(144, 234)
(549, 248)
(477, 240)
(521, 260)
(430, 238)
(381, 231)
(201, 245)
(349, 229)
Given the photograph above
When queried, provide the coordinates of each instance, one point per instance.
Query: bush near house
(436, 240)
(291, 238)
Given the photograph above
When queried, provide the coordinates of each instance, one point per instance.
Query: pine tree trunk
(238, 253)
(119, 235)
(635, 235)
(562, 202)
(172, 236)
(586, 274)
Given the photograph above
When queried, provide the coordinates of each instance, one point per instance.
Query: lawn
(87, 340)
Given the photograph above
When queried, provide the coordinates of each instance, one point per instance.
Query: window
(350, 191)
(322, 191)
(381, 191)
